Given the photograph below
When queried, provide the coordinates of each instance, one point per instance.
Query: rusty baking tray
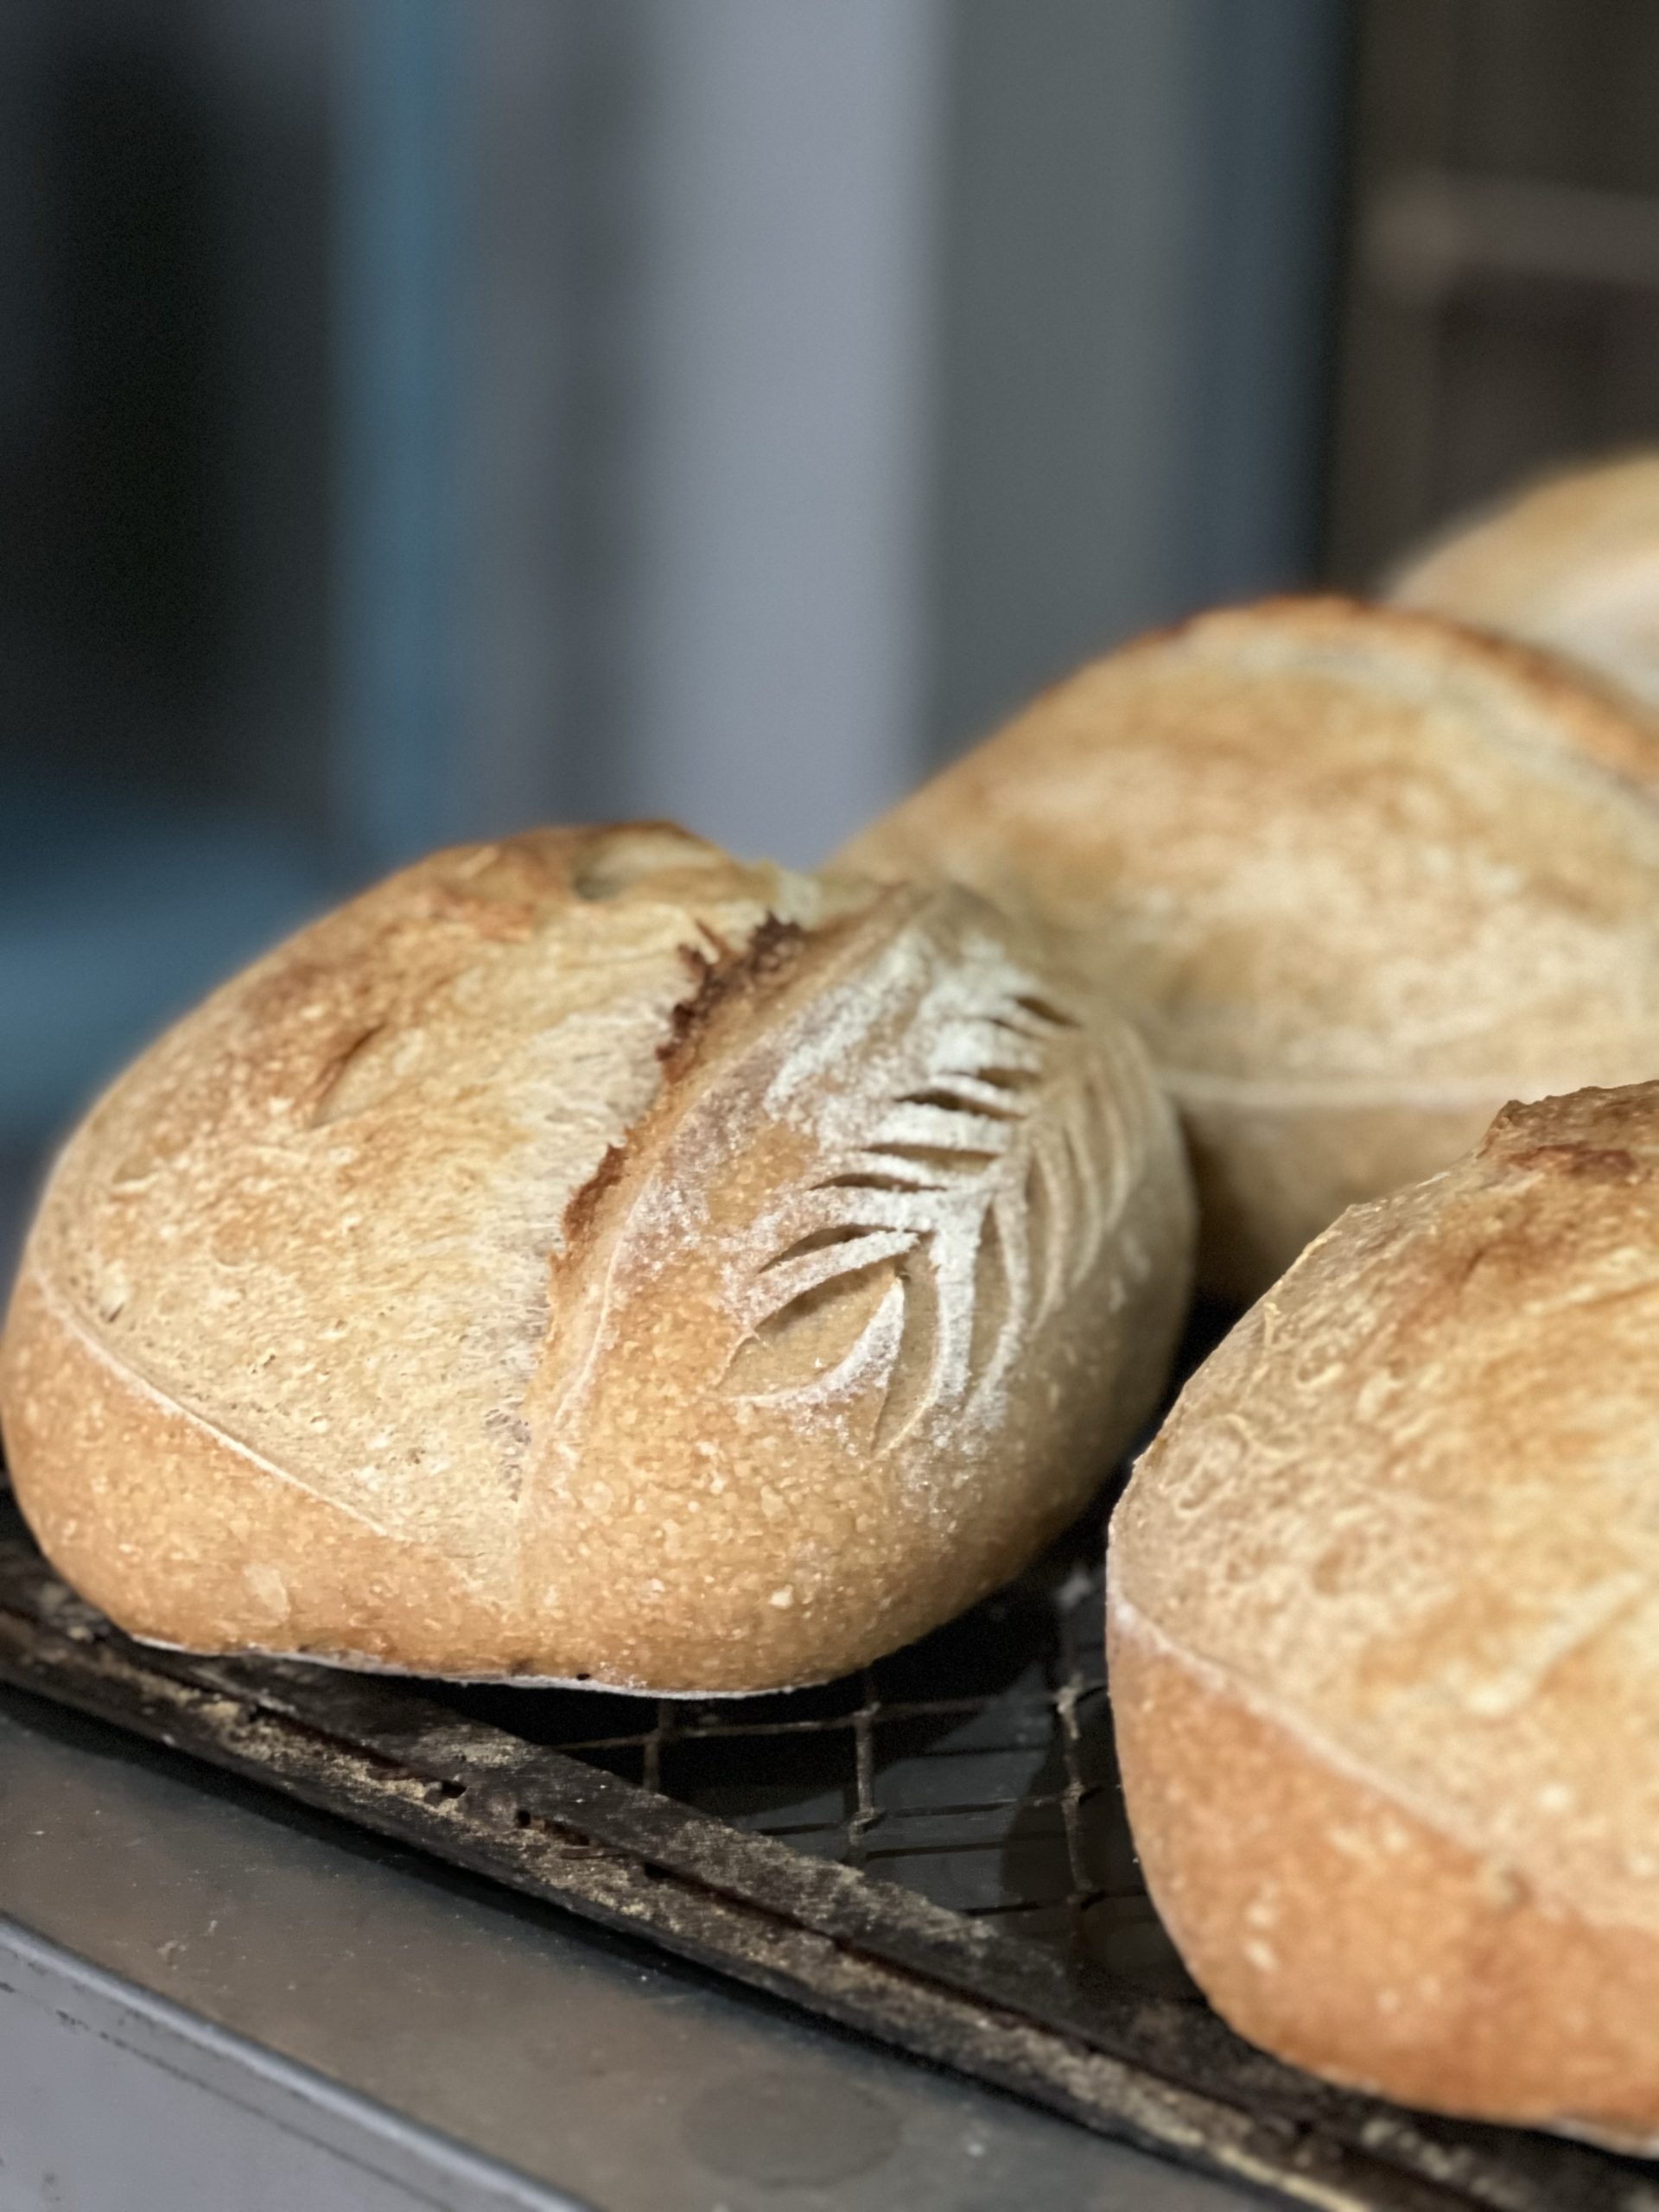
(933, 1852)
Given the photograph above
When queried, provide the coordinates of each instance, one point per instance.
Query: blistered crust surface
(1411, 1506)
(1336, 1926)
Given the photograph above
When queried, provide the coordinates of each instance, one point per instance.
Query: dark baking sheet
(933, 1852)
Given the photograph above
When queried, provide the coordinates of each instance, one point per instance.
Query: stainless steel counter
(214, 2001)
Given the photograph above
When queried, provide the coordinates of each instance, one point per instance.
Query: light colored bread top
(1318, 850)
(1572, 563)
(584, 1256)
(1408, 1513)
(333, 1191)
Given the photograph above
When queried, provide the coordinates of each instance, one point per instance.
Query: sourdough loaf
(1383, 1622)
(1572, 563)
(586, 1257)
(1359, 876)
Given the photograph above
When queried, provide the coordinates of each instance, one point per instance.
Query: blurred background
(422, 416)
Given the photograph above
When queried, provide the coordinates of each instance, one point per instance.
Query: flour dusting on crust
(971, 1165)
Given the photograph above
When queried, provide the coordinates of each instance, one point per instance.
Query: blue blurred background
(422, 416)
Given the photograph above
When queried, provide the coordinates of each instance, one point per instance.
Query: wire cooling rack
(975, 1769)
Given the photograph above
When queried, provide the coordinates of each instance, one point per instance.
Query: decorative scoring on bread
(588, 1256)
(955, 1213)
(964, 1149)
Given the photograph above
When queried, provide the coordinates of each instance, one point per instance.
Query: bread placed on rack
(1359, 876)
(588, 1257)
(1572, 563)
(1383, 1619)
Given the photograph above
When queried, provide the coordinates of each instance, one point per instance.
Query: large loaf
(586, 1257)
(1359, 876)
(1571, 563)
(1384, 1639)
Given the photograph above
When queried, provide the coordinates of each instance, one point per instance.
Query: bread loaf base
(346, 1665)
(73, 1387)
(1305, 1898)
(146, 1491)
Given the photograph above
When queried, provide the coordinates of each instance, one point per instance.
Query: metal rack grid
(997, 1799)
(933, 1852)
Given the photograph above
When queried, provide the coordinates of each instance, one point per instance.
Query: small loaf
(1359, 876)
(1572, 563)
(584, 1257)
(1383, 1626)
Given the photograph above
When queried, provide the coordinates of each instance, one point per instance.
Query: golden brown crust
(586, 1257)
(184, 1536)
(1330, 1923)
(864, 1465)
(1358, 873)
(1384, 1606)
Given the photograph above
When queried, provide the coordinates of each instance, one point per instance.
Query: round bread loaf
(1358, 875)
(586, 1257)
(1384, 1624)
(1572, 563)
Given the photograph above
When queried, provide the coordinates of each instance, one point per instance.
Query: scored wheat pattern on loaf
(958, 1212)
